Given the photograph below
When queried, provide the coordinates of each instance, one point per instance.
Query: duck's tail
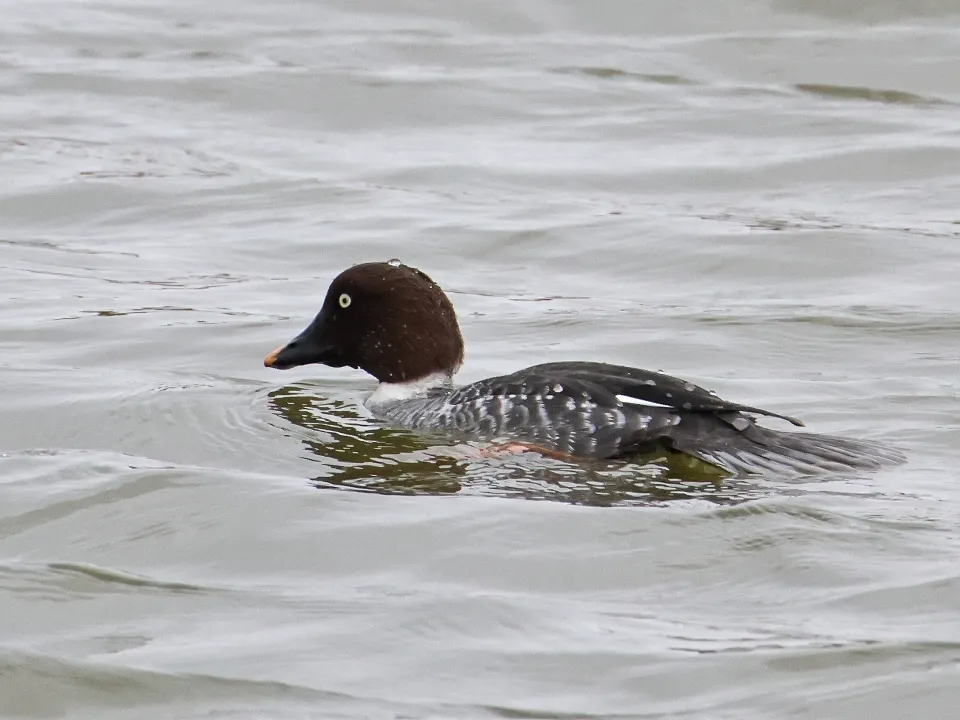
(757, 449)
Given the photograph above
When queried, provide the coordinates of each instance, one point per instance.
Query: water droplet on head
(394, 262)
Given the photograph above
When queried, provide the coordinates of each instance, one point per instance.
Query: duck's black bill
(302, 350)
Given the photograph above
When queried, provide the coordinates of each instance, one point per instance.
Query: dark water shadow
(612, 73)
(357, 454)
(868, 94)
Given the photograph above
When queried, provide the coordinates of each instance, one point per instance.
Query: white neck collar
(391, 392)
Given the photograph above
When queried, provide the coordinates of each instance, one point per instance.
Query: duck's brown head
(386, 318)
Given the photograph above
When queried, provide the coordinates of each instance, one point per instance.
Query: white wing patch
(627, 400)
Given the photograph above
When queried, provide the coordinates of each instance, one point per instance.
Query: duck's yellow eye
(345, 300)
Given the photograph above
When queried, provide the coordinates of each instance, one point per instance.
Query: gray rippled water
(760, 197)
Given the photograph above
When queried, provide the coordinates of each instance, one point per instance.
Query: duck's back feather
(602, 411)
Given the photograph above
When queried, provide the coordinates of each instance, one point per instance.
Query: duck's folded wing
(554, 411)
(634, 386)
(586, 410)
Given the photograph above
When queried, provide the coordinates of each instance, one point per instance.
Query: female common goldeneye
(394, 322)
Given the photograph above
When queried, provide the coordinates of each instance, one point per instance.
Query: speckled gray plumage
(574, 409)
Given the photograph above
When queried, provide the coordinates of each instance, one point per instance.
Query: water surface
(758, 197)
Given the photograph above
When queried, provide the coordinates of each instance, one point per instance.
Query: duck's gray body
(601, 411)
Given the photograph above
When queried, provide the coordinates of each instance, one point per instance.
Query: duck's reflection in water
(359, 454)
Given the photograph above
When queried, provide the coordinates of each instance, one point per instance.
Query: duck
(395, 323)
